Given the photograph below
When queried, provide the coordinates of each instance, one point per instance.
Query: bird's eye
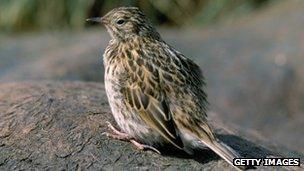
(120, 21)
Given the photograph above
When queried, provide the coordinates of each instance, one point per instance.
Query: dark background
(251, 52)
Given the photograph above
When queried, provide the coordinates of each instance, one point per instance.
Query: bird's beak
(96, 19)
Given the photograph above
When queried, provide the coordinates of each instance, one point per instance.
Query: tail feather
(224, 151)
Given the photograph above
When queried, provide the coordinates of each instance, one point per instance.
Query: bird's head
(127, 22)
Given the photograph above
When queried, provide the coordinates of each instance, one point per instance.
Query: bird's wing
(154, 112)
(184, 84)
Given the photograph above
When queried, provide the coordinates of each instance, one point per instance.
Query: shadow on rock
(247, 149)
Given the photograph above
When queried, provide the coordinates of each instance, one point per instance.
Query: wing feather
(155, 113)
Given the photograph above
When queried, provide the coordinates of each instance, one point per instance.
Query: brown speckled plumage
(156, 94)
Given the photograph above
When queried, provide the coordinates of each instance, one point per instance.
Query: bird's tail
(224, 151)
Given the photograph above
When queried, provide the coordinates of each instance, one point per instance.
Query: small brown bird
(156, 94)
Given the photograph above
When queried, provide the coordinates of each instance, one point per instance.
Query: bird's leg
(143, 146)
(114, 133)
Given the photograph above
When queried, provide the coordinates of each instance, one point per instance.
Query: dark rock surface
(59, 126)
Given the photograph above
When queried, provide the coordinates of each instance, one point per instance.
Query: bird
(156, 94)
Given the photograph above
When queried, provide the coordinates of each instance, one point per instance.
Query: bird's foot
(143, 146)
(114, 133)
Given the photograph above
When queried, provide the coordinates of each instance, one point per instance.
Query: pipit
(156, 94)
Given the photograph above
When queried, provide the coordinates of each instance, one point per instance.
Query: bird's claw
(114, 133)
(143, 146)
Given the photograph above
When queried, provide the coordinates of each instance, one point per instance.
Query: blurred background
(22, 15)
(251, 52)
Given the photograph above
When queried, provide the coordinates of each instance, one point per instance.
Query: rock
(60, 125)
